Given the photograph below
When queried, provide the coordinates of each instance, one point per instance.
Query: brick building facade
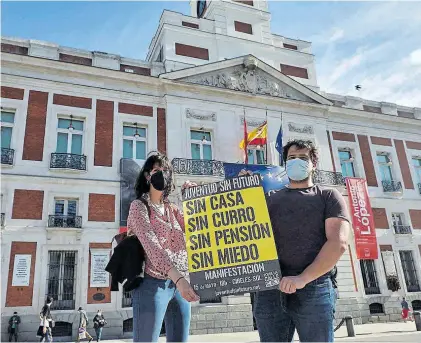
(70, 116)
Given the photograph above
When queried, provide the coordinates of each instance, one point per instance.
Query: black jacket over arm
(126, 263)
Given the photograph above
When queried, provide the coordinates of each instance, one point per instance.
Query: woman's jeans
(309, 310)
(155, 301)
(98, 332)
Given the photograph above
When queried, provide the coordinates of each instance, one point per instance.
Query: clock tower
(217, 30)
(233, 16)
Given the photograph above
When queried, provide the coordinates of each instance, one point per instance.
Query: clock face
(201, 7)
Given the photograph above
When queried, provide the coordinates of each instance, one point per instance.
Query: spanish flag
(256, 137)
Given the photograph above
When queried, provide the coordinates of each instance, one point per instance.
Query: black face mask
(159, 181)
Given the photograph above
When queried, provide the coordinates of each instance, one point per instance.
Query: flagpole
(246, 157)
(267, 127)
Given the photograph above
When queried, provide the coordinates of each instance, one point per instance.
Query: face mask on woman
(159, 180)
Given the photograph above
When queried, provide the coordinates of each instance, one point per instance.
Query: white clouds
(336, 35)
(378, 47)
(415, 57)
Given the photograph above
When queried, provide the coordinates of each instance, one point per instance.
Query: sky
(373, 44)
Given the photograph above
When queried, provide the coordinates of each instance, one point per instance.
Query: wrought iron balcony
(2, 219)
(402, 229)
(65, 221)
(392, 186)
(7, 156)
(330, 178)
(68, 161)
(198, 167)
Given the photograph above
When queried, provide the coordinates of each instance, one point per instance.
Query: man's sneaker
(90, 340)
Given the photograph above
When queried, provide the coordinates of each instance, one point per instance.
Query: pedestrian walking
(13, 328)
(405, 310)
(99, 323)
(165, 292)
(83, 323)
(47, 322)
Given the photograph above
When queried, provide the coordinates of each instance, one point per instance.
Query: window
(416, 305)
(399, 224)
(201, 145)
(347, 163)
(61, 278)
(7, 121)
(70, 136)
(62, 329)
(256, 156)
(127, 299)
(376, 308)
(128, 325)
(385, 167)
(409, 271)
(65, 214)
(416, 162)
(134, 142)
(368, 271)
(65, 207)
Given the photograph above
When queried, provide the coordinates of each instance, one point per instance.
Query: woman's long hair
(143, 185)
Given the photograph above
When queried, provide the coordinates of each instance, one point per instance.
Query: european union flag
(279, 145)
(273, 177)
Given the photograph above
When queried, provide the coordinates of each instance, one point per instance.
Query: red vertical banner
(362, 219)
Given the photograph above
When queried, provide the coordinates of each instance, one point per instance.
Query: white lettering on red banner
(362, 219)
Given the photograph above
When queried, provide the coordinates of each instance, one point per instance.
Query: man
(13, 328)
(99, 323)
(405, 310)
(47, 322)
(311, 229)
(83, 323)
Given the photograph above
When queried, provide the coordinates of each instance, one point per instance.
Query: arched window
(376, 308)
(62, 329)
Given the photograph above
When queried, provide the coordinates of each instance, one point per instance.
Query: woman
(165, 293)
(99, 323)
(44, 330)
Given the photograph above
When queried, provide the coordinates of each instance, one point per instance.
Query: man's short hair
(302, 144)
(15, 312)
(49, 299)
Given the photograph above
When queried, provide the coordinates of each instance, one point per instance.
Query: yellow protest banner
(229, 238)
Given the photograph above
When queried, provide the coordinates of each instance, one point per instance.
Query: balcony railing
(330, 178)
(372, 290)
(7, 156)
(65, 221)
(2, 219)
(198, 167)
(392, 186)
(402, 229)
(68, 161)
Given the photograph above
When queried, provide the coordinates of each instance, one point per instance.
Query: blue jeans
(98, 332)
(309, 310)
(155, 301)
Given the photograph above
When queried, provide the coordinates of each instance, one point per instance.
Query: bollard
(417, 318)
(350, 326)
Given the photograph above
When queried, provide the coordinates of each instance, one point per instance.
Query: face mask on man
(298, 169)
(160, 180)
